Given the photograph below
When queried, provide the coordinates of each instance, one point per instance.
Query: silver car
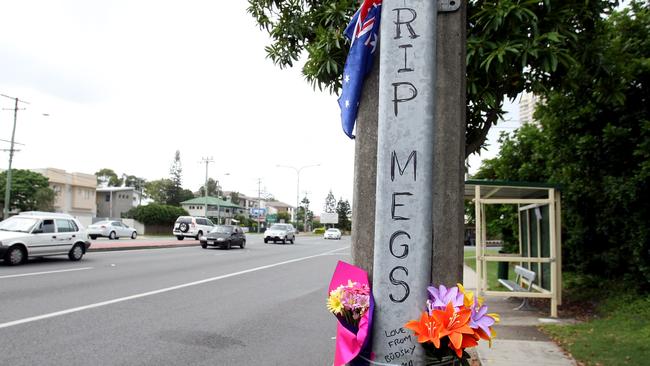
(280, 232)
(40, 234)
(111, 229)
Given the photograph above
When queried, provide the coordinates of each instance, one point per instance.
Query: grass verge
(493, 281)
(617, 334)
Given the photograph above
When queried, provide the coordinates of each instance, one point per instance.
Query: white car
(192, 227)
(111, 229)
(280, 232)
(332, 234)
(40, 234)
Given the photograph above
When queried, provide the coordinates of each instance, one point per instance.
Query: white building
(75, 193)
(527, 105)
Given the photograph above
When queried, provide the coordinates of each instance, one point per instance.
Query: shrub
(156, 214)
(319, 230)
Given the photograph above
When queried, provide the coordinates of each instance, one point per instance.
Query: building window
(107, 197)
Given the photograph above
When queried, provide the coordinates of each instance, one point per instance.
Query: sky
(124, 84)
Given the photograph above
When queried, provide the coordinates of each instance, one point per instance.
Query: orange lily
(427, 329)
(454, 324)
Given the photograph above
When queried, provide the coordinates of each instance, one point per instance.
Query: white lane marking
(155, 292)
(47, 272)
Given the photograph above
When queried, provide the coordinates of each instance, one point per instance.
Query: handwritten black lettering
(405, 68)
(394, 204)
(394, 160)
(396, 234)
(405, 286)
(397, 100)
(399, 23)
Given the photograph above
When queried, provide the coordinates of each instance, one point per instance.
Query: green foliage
(343, 210)
(595, 142)
(108, 178)
(29, 191)
(512, 46)
(319, 230)
(157, 190)
(175, 194)
(156, 214)
(213, 189)
(330, 203)
(284, 216)
(620, 335)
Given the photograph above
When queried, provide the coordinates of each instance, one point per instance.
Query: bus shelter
(540, 242)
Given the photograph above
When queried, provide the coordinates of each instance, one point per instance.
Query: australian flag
(363, 32)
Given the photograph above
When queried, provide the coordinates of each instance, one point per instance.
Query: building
(75, 193)
(275, 207)
(244, 201)
(219, 210)
(112, 202)
(527, 105)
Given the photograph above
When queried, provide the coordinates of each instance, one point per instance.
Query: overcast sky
(127, 83)
(124, 84)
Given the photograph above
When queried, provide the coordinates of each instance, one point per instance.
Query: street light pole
(297, 170)
(206, 161)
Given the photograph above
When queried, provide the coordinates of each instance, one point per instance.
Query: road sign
(329, 218)
(272, 218)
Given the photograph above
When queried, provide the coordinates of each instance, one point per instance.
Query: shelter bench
(522, 274)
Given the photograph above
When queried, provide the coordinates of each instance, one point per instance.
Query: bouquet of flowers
(455, 319)
(350, 300)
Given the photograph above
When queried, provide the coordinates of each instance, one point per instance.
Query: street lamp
(298, 170)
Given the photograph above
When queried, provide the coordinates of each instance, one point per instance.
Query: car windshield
(19, 224)
(222, 229)
(279, 227)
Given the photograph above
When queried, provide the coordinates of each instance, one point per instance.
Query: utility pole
(259, 202)
(419, 161)
(298, 170)
(5, 211)
(206, 161)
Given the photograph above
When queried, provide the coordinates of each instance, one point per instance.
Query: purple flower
(440, 297)
(480, 319)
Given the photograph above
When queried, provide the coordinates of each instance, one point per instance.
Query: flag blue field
(363, 32)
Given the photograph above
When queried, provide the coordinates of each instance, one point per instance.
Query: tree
(330, 203)
(512, 46)
(595, 142)
(175, 176)
(234, 197)
(29, 191)
(344, 211)
(213, 189)
(137, 183)
(158, 190)
(284, 217)
(156, 214)
(108, 178)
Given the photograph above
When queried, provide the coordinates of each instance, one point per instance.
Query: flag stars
(347, 104)
(347, 78)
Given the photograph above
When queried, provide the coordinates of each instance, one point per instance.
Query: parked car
(40, 234)
(111, 229)
(280, 232)
(191, 227)
(332, 234)
(224, 236)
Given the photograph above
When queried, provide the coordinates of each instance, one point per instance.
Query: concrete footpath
(518, 340)
(142, 242)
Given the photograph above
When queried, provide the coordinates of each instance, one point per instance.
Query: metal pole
(297, 197)
(5, 211)
(405, 173)
(259, 203)
(206, 160)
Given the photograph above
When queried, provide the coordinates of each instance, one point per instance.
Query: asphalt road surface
(262, 305)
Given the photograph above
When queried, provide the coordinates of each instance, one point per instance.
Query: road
(262, 305)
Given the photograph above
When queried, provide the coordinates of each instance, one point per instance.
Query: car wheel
(15, 256)
(76, 253)
(180, 237)
(134, 235)
(243, 244)
(292, 240)
(93, 237)
(204, 245)
(266, 241)
(112, 235)
(228, 245)
(198, 235)
(284, 241)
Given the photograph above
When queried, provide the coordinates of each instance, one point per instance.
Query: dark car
(224, 236)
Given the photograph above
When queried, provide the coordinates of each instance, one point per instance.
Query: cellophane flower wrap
(350, 300)
(454, 320)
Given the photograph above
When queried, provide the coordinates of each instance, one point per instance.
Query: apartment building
(75, 193)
